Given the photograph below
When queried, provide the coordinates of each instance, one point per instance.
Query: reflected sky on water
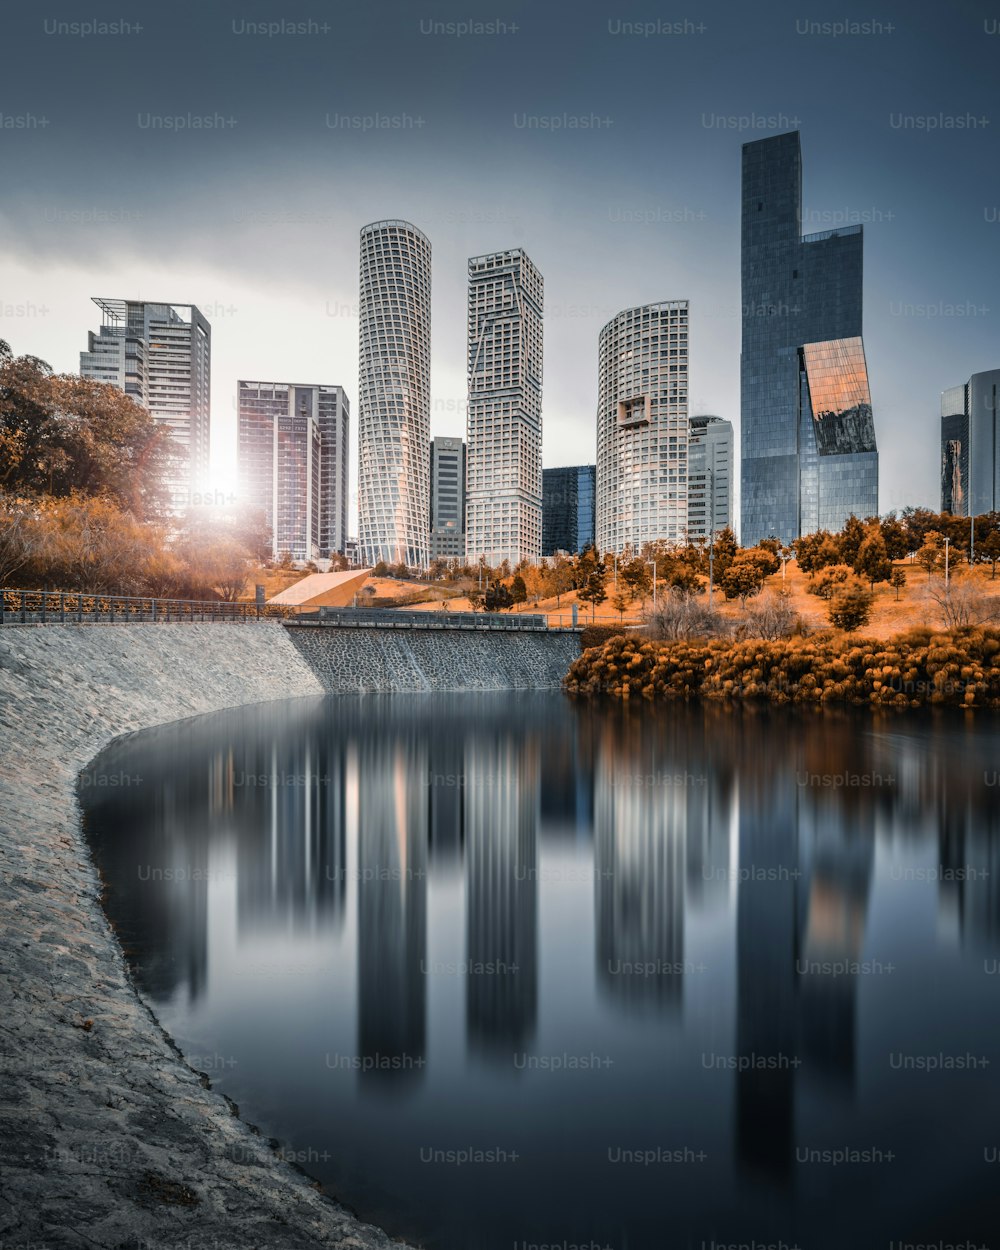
(508, 968)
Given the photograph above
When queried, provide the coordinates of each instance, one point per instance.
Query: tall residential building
(293, 463)
(809, 457)
(642, 427)
(710, 477)
(447, 499)
(504, 455)
(394, 418)
(568, 502)
(161, 355)
(970, 456)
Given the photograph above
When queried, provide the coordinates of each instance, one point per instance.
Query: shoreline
(108, 1137)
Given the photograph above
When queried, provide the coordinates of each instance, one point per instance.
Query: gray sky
(610, 153)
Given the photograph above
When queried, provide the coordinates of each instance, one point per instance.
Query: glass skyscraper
(970, 458)
(394, 404)
(809, 457)
(568, 508)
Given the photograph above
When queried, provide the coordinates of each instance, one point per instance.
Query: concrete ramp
(324, 590)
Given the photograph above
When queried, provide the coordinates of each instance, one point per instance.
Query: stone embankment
(349, 660)
(107, 1137)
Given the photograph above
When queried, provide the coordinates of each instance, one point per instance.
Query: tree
(850, 539)
(65, 435)
(990, 551)
(16, 523)
(898, 580)
(744, 576)
(851, 606)
(518, 590)
(724, 551)
(497, 598)
(816, 551)
(637, 577)
(827, 582)
(929, 555)
(620, 603)
(873, 559)
(593, 592)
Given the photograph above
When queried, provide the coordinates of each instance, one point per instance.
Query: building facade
(394, 394)
(504, 441)
(970, 457)
(642, 427)
(808, 450)
(568, 508)
(161, 355)
(710, 477)
(293, 463)
(447, 499)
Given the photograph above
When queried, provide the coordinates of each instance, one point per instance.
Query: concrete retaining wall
(349, 660)
(107, 1138)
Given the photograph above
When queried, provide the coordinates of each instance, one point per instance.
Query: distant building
(808, 454)
(970, 457)
(504, 492)
(447, 499)
(394, 406)
(293, 449)
(710, 477)
(161, 355)
(642, 427)
(568, 508)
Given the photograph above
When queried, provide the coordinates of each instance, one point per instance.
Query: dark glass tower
(808, 439)
(568, 502)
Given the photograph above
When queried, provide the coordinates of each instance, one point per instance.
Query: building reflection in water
(392, 906)
(641, 801)
(501, 786)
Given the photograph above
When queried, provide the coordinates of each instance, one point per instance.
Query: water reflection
(744, 911)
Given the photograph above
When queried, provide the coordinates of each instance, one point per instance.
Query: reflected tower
(502, 782)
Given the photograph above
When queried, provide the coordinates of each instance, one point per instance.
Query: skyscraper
(710, 477)
(642, 426)
(970, 457)
(161, 355)
(447, 499)
(504, 456)
(809, 457)
(394, 394)
(568, 499)
(293, 462)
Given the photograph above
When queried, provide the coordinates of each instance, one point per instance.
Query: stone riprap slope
(349, 660)
(107, 1138)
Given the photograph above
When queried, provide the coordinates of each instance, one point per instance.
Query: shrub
(771, 616)
(826, 583)
(851, 606)
(682, 615)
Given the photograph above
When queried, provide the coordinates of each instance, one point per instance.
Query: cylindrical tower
(394, 394)
(642, 427)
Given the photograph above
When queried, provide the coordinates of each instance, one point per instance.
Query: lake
(510, 970)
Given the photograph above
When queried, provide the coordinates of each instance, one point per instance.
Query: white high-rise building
(504, 444)
(642, 427)
(161, 355)
(394, 418)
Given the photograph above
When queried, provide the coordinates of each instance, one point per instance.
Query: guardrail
(55, 607)
(389, 618)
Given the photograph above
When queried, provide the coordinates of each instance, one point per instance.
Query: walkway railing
(389, 618)
(54, 607)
